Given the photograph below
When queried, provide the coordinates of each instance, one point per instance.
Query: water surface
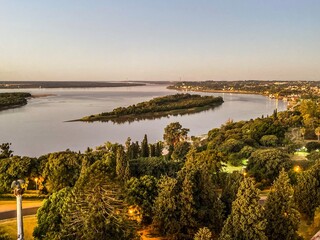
(39, 127)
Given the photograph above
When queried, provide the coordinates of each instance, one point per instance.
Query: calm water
(39, 127)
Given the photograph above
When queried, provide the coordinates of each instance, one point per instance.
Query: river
(40, 127)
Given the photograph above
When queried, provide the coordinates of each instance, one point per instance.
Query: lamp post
(18, 189)
(36, 180)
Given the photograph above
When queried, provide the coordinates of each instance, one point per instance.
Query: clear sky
(159, 39)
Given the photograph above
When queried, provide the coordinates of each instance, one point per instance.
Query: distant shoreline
(65, 84)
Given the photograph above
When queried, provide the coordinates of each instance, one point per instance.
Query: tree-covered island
(13, 100)
(158, 107)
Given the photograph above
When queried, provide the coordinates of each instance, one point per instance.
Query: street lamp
(297, 169)
(36, 180)
(18, 189)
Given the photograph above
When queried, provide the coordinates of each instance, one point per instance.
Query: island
(13, 100)
(178, 104)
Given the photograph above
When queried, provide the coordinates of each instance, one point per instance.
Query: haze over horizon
(159, 40)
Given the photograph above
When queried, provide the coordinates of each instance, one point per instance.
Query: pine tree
(246, 221)
(159, 148)
(203, 234)
(145, 147)
(152, 150)
(166, 207)
(121, 162)
(306, 194)
(229, 190)
(200, 204)
(281, 214)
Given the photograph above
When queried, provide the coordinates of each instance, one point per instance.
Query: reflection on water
(40, 126)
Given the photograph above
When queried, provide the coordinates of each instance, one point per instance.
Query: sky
(170, 40)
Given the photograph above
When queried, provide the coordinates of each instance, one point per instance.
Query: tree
(49, 216)
(311, 146)
(281, 214)
(142, 192)
(231, 146)
(180, 151)
(174, 133)
(6, 152)
(200, 204)
(61, 170)
(94, 210)
(265, 164)
(269, 140)
(229, 191)
(307, 193)
(14, 168)
(159, 148)
(145, 147)
(203, 234)
(166, 207)
(152, 148)
(246, 221)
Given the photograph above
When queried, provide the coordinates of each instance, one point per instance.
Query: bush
(314, 156)
(269, 140)
(311, 146)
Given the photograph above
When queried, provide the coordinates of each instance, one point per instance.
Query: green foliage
(229, 190)
(14, 168)
(158, 107)
(61, 170)
(307, 192)
(14, 99)
(314, 156)
(311, 146)
(154, 166)
(49, 216)
(246, 221)
(265, 164)
(231, 146)
(281, 214)
(4, 236)
(200, 205)
(166, 207)
(6, 152)
(145, 147)
(142, 192)
(93, 210)
(269, 140)
(180, 151)
(174, 133)
(203, 234)
(246, 151)
(199, 202)
(122, 164)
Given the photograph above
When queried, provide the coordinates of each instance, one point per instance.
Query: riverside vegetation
(158, 107)
(12, 100)
(185, 192)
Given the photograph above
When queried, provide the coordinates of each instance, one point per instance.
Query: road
(8, 208)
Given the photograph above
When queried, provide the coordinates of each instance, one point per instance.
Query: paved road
(13, 213)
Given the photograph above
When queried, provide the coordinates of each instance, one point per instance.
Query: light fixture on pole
(18, 189)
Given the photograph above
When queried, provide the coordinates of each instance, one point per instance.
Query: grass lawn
(229, 168)
(10, 227)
